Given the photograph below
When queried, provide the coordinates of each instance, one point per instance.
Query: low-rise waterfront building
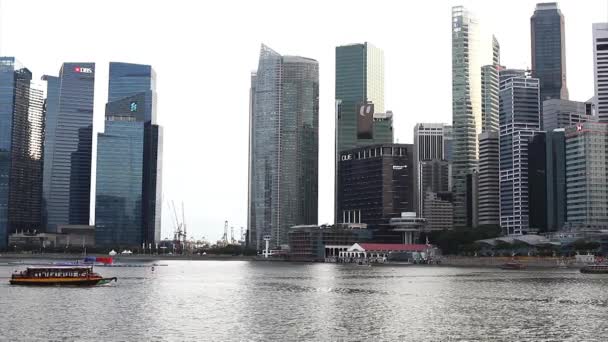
(318, 243)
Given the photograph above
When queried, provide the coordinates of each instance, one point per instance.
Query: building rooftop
(394, 247)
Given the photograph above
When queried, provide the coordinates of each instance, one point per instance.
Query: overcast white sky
(204, 51)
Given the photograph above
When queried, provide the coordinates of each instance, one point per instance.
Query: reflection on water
(256, 301)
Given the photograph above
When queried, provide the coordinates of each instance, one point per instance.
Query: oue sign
(347, 157)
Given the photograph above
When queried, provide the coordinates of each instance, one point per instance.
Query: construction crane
(225, 236)
(179, 232)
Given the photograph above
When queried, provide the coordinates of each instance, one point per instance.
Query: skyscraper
(519, 121)
(359, 79)
(600, 69)
(489, 91)
(489, 179)
(558, 113)
(470, 51)
(430, 140)
(537, 181)
(587, 175)
(284, 146)
(68, 145)
(128, 203)
(556, 179)
(21, 129)
(549, 51)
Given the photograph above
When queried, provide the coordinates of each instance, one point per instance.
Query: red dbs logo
(77, 69)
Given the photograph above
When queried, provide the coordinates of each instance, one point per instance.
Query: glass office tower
(127, 210)
(21, 129)
(284, 146)
(470, 51)
(519, 122)
(549, 51)
(68, 145)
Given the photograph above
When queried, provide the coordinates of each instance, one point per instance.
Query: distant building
(556, 179)
(317, 243)
(600, 69)
(359, 81)
(438, 211)
(470, 51)
(564, 113)
(68, 139)
(537, 182)
(374, 184)
(548, 39)
(410, 226)
(489, 179)
(432, 142)
(587, 175)
(489, 91)
(129, 154)
(284, 146)
(21, 132)
(519, 122)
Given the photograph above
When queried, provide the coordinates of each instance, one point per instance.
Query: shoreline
(446, 261)
(119, 258)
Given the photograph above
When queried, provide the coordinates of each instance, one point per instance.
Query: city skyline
(209, 205)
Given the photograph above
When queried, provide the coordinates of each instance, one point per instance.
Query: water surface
(257, 301)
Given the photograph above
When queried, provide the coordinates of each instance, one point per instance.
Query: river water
(258, 301)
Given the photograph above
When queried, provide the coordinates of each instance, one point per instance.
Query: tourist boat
(59, 276)
(597, 269)
(513, 265)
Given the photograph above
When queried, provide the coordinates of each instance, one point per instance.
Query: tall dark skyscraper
(21, 129)
(549, 51)
(127, 210)
(68, 145)
(284, 146)
(359, 80)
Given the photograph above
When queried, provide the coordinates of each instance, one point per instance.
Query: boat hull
(594, 271)
(61, 282)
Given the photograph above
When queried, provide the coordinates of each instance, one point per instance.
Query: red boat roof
(394, 247)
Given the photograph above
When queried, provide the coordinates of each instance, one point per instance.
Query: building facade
(600, 70)
(375, 184)
(284, 146)
(129, 160)
(438, 210)
(537, 182)
(21, 132)
(68, 146)
(556, 179)
(431, 143)
(558, 113)
(489, 178)
(548, 39)
(470, 51)
(359, 79)
(519, 122)
(587, 175)
(489, 91)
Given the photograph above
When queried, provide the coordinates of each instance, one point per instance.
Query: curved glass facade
(68, 145)
(284, 146)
